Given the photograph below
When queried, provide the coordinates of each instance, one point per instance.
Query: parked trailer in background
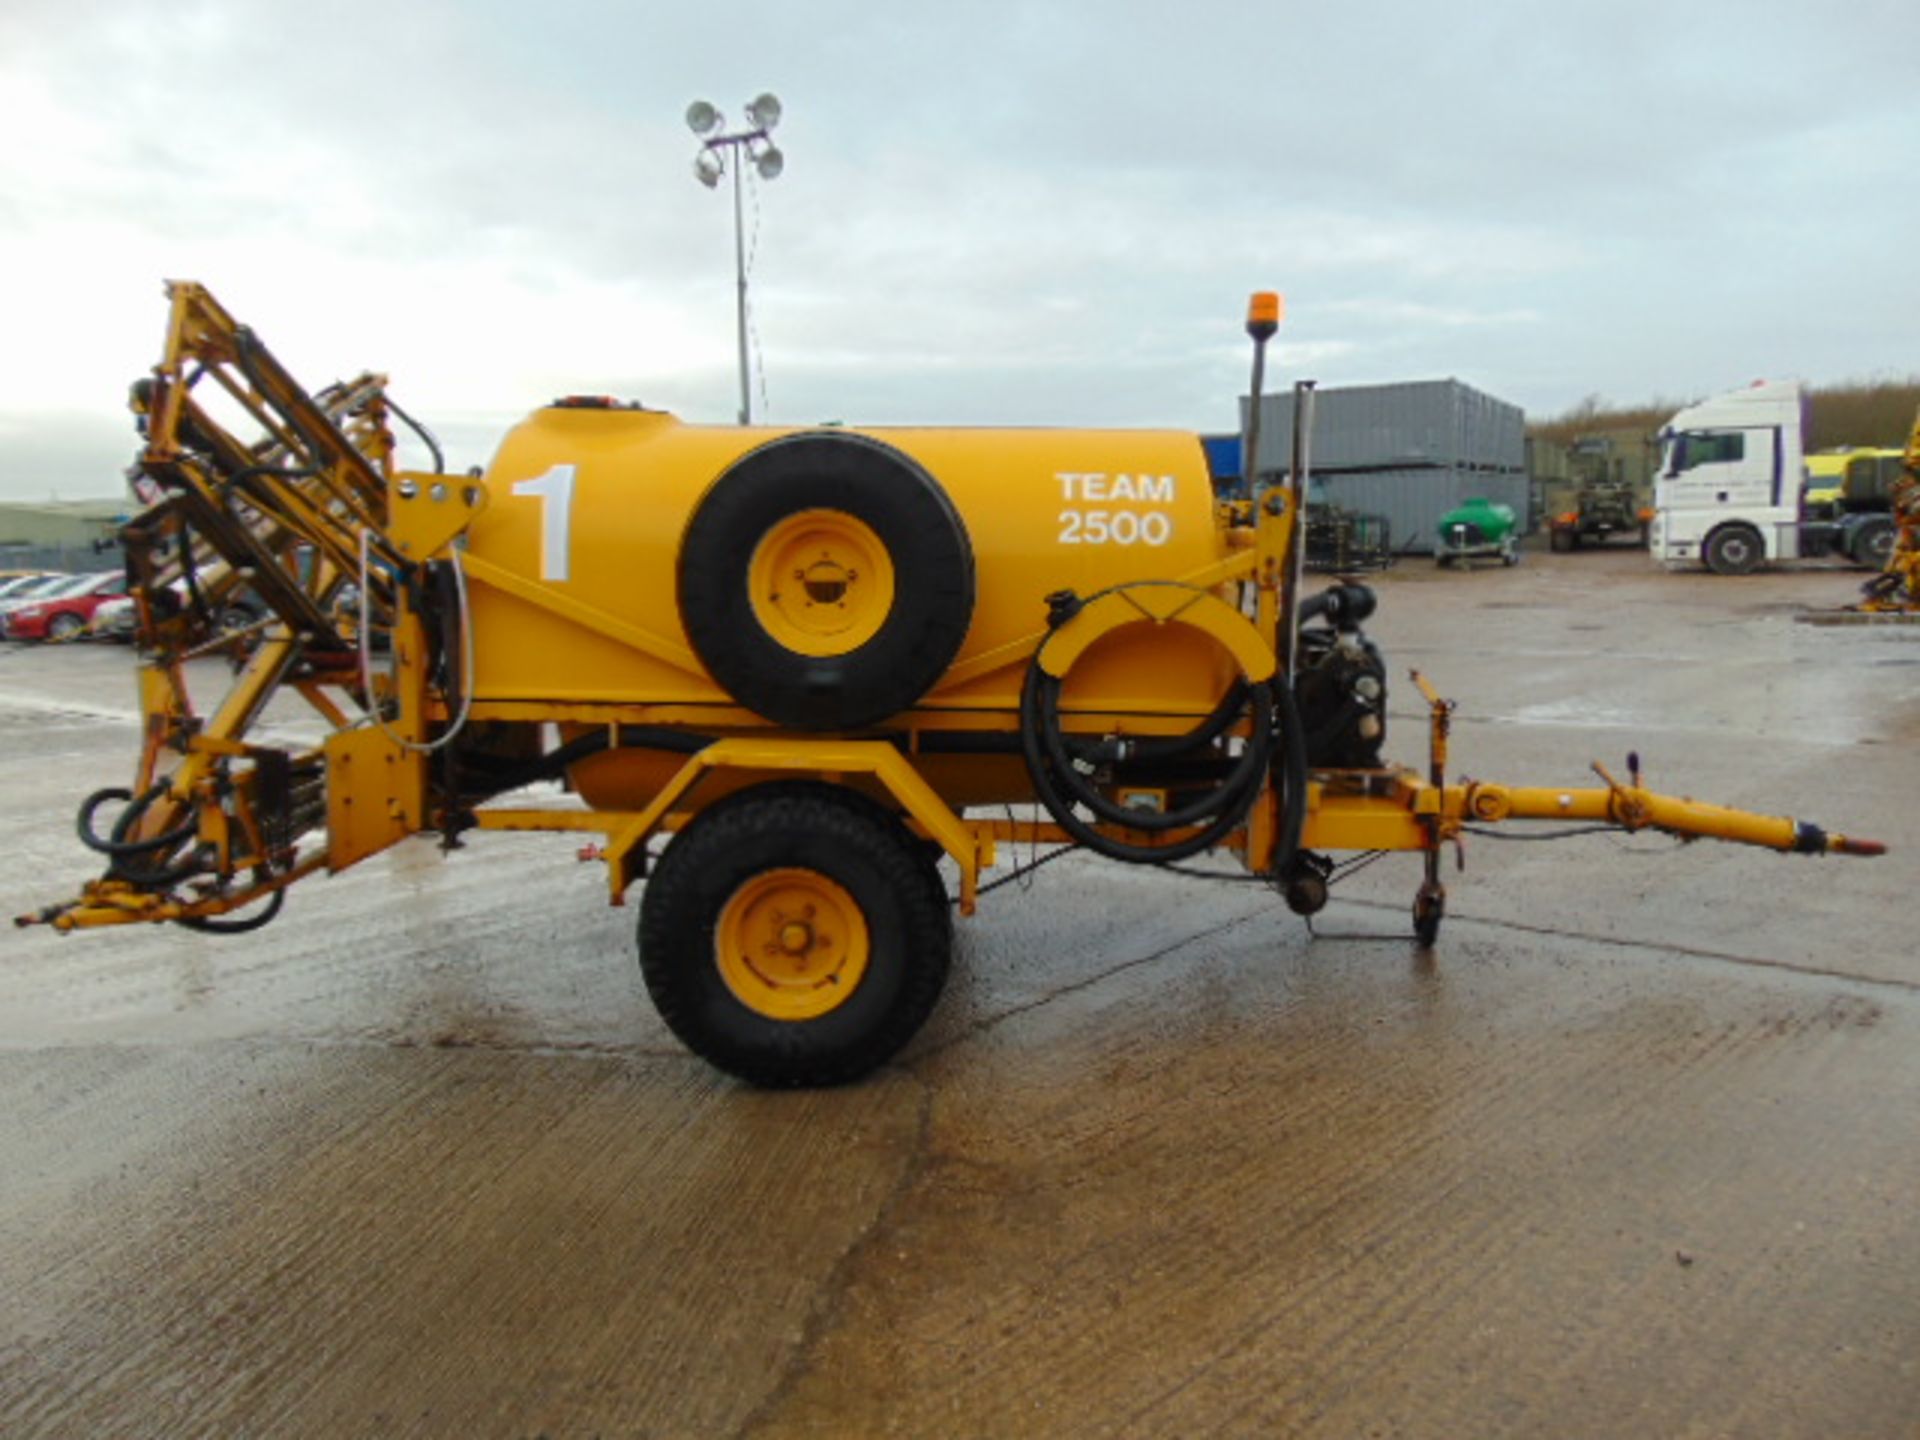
(1853, 489)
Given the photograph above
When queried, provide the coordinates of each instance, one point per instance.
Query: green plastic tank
(1477, 527)
(1486, 522)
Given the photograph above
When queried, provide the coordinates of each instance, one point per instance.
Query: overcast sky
(991, 213)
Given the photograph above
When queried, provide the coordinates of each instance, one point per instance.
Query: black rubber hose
(426, 435)
(1041, 700)
(1153, 748)
(1054, 793)
(159, 879)
(118, 846)
(221, 925)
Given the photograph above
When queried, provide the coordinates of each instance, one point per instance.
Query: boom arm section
(255, 485)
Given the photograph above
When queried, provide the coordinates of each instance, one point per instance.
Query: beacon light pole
(753, 145)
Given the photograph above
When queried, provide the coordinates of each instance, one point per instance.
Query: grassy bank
(1879, 412)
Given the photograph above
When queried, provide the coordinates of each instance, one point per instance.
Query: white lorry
(1728, 492)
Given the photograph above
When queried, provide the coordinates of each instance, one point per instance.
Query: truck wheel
(794, 934)
(1560, 541)
(1872, 543)
(1732, 550)
(826, 581)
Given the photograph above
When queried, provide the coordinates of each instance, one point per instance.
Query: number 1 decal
(555, 489)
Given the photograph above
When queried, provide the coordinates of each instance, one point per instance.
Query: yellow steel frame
(970, 845)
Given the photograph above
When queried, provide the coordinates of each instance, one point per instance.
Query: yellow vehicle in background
(1820, 497)
(1850, 490)
(785, 675)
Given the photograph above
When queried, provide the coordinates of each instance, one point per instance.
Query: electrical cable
(1025, 872)
(365, 640)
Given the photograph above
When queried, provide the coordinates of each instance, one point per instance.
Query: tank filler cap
(594, 402)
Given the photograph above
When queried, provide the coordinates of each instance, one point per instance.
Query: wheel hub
(791, 944)
(821, 582)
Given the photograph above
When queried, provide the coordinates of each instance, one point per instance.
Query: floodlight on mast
(754, 146)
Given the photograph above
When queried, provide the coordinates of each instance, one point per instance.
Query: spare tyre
(826, 581)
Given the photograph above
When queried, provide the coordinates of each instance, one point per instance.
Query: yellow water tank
(830, 579)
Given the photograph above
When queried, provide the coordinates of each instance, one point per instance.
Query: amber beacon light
(1264, 312)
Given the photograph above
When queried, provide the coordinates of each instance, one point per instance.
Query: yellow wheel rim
(821, 582)
(791, 944)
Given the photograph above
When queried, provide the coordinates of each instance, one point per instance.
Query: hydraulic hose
(1040, 706)
(222, 925)
(117, 847)
(1061, 786)
(426, 435)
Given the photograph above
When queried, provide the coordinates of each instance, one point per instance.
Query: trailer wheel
(1733, 550)
(794, 934)
(826, 581)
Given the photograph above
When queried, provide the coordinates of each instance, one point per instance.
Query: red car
(63, 612)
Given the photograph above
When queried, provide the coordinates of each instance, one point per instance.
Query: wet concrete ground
(1633, 1152)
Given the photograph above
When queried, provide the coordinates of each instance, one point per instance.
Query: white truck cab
(1727, 492)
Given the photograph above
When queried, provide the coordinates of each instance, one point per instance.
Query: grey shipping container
(1396, 427)
(1413, 500)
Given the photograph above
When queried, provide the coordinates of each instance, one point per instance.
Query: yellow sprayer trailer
(1895, 591)
(781, 674)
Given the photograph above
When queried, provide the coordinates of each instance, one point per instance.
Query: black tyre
(795, 934)
(1733, 550)
(826, 581)
(1872, 543)
(1306, 894)
(1560, 541)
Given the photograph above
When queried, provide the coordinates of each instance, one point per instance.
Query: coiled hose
(1061, 784)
